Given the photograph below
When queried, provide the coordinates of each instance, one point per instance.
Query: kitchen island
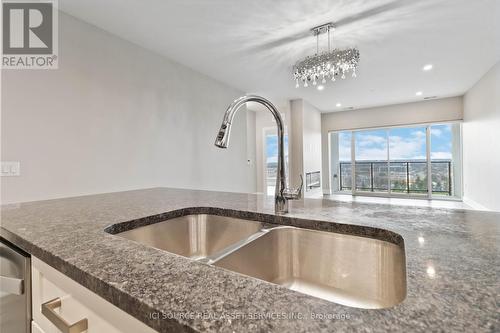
(452, 263)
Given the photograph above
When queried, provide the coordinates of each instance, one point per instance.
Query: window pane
(441, 159)
(397, 157)
(380, 177)
(272, 161)
(344, 158)
(345, 176)
(408, 157)
(418, 177)
(363, 176)
(345, 146)
(441, 177)
(371, 160)
(398, 177)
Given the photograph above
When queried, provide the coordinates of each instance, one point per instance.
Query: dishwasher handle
(11, 285)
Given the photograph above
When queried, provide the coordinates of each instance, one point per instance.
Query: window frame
(456, 195)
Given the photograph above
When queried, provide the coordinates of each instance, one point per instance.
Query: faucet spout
(282, 193)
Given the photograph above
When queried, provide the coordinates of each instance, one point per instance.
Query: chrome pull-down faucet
(282, 192)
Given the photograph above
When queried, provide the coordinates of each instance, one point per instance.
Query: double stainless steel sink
(346, 269)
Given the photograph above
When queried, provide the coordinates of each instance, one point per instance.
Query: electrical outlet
(10, 168)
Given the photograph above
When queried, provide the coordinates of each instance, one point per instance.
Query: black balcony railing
(405, 176)
(313, 180)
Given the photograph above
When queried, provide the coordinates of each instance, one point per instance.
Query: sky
(404, 144)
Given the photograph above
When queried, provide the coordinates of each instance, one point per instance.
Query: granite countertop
(452, 258)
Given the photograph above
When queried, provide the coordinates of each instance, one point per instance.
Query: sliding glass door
(414, 161)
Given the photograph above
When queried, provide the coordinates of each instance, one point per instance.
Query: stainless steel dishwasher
(15, 289)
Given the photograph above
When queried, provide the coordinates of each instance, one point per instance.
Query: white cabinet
(35, 328)
(73, 303)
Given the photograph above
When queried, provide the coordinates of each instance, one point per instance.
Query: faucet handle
(291, 194)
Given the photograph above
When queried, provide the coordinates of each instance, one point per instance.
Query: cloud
(366, 140)
(412, 147)
(344, 146)
(419, 135)
(401, 147)
(421, 157)
(436, 132)
(272, 159)
(371, 154)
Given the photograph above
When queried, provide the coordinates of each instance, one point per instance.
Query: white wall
(431, 111)
(251, 119)
(437, 110)
(296, 141)
(261, 121)
(305, 142)
(481, 142)
(114, 117)
(312, 141)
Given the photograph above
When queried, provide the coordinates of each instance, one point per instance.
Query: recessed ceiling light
(320, 87)
(338, 105)
(427, 67)
(419, 93)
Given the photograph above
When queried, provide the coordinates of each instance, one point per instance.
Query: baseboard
(475, 205)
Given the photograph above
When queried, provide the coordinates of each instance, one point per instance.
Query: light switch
(10, 168)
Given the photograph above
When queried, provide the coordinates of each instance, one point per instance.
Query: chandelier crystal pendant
(326, 65)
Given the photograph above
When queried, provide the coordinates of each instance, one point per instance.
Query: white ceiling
(252, 45)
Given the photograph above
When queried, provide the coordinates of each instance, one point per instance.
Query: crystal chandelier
(325, 65)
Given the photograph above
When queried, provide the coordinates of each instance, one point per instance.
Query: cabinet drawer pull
(58, 321)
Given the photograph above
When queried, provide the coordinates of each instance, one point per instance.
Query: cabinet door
(35, 328)
(66, 302)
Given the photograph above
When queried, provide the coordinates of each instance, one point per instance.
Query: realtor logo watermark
(30, 38)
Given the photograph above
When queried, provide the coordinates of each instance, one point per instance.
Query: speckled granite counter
(453, 264)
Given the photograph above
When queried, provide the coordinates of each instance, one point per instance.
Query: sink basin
(342, 268)
(194, 236)
(350, 270)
